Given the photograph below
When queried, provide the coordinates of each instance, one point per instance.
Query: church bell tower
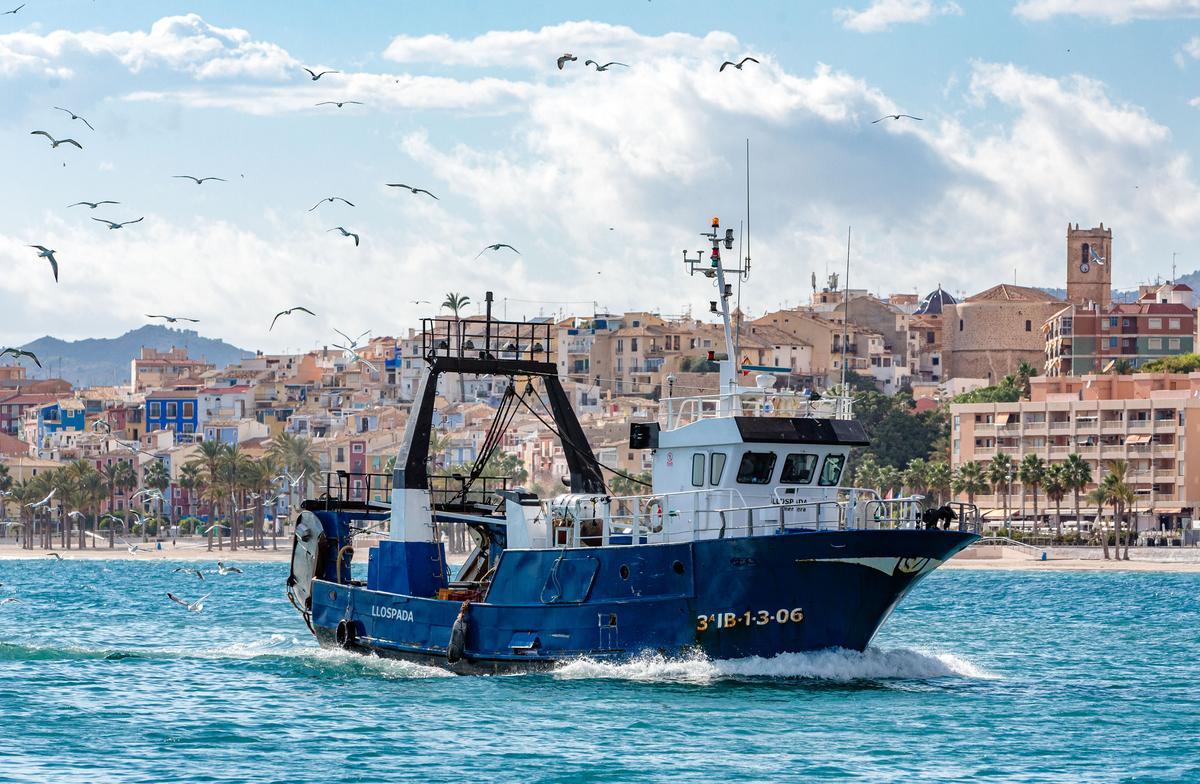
(1089, 265)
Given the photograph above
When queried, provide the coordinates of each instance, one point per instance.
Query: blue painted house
(59, 416)
(176, 410)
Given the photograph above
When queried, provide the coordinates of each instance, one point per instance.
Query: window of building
(929, 337)
(356, 448)
(637, 323)
(676, 342)
(831, 470)
(155, 409)
(960, 325)
(172, 410)
(620, 345)
(341, 454)
(698, 469)
(716, 467)
(1112, 342)
(798, 469)
(1173, 324)
(756, 468)
(1084, 254)
(1173, 344)
(1155, 344)
(1028, 325)
(1125, 323)
(189, 428)
(1155, 323)
(618, 364)
(935, 361)
(633, 343)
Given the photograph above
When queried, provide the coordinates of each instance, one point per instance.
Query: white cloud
(882, 14)
(1114, 11)
(184, 43)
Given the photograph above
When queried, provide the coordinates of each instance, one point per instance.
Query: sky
(1035, 114)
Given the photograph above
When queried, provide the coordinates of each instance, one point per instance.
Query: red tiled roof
(12, 446)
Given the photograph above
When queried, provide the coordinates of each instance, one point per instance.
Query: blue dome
(934, 301)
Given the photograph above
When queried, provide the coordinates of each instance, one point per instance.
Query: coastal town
(1064, 418)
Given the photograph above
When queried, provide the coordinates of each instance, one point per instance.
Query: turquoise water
(987, 676)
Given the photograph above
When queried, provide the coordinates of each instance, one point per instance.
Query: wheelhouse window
(716, 467)
(798, 469)
(756, 468)
(831, 470)
(698, 470)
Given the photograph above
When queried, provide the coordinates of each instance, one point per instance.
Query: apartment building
(1150, 420)
(155, 369)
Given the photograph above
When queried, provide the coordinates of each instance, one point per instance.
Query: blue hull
(726, 598)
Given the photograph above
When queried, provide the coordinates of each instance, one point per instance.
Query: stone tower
(1089, 265)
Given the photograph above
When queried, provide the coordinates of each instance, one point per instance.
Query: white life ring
(654, 515)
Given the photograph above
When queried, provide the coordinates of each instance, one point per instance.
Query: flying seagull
(895, 117)
(55, 556)
(75, 116)
(346, 234)
(352, 341)
(197, 180)
(288, 312)
(316, 76)
(498, 246)
(172, 319)
(188, 570)
(285, 476)
(737, 65)
(11, 599)
(18, 353)
(330, 199)
(421, 301)
(91, 204)
(338, 104)
(55, 142)
(604, 67)
(357, 357)
(46, 253)
(44, 502)
(1097, 258)
(18, 8)
(411, 188)
(566, 58)
(223, 569)
(196, 606)
(114, 225)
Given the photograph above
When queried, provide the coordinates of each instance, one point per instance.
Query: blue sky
(1036, 114)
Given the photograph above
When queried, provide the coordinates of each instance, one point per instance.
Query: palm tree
(971, 480)
(294, 454)
(1120, 367)
(455, 303)
(1099, 497)
(916, 476)
(939, 479)
(127, 481)
(1054, 483)
(1031, 473)
(1025, 371)
(211, 455)
(6, 485)
(999, 473)
(889, 479)
(1120, 495)
(191, 481)
(1078, 474)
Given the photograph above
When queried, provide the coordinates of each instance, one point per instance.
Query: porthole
(678, 567)
(624, 572)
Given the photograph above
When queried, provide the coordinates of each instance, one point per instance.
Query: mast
(716, 270)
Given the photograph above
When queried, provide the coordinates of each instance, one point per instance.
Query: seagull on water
(48, 254)
(895, 117)
(316, 76)
(223, 569)
(92, 204)
(197, 180)
(567, 57)
(115, 225)
(737, 65)
(330, 199)
(75, 116)
(10, 599)
(196, 606)
(173, 319)
(18, 353)
(498, 246)
(411, 188)
(55, 142)
(604, 67)
(338, 104)
(188, 570)
(346, 234)
(44, 502)
(288, 312)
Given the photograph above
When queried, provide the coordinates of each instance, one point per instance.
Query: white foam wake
(831, 665)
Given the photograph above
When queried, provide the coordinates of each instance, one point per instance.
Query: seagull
(288, 312)
(18, 353)
(1095, 256)
(357, 357)
(498, 246)
(224, 569)
(411, 188)
(155, 494)
(346, 234)
(352, 341)
(895, 117)
(46, 253)
(75, 515)
(55, 142)
(18, 8)
(10, 599)
(338, 104)
(316, 76)
(173, 319)
(197, 180)
(422, 301)
(44, 502)
(329, 198)
(92, 204)
(188, 570)
(132, 548)
(55, 556)
(196, 606)
(737, 65)
(285, 476)
(566, 58)
(113, 225)
(75, 116)
(604, 67)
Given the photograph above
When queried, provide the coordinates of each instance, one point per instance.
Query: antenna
(846, 304)
(1173, 255)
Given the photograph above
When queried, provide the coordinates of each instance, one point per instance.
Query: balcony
(1060, 424)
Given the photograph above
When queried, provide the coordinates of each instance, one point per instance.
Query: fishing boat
(747, 543)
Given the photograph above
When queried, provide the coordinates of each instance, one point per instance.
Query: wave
(836, 665)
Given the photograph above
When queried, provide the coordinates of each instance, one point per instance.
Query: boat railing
(676, 412)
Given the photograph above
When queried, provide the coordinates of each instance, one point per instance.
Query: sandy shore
(1070, 565)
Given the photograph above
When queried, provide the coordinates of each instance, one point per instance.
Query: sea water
(978, 676)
